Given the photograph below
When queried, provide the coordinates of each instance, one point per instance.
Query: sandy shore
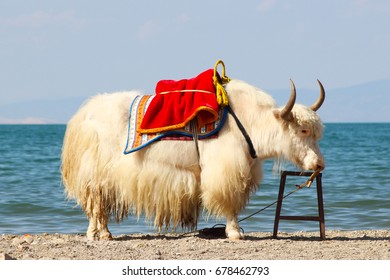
(350, 245)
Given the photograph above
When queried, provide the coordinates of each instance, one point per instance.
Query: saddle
(180, 110)
(176, 103)
(137, 140)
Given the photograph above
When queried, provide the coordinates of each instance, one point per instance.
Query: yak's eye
(305, 131)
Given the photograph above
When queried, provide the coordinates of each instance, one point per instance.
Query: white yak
(171, 181)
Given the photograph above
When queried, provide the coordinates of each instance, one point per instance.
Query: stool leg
(321, 206)
(279, 205)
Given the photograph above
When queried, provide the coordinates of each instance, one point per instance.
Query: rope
(222, 98)
(218, 227)
(222, 226)
(273, 203)
(195, 136)
(248, 140)
(298, 187)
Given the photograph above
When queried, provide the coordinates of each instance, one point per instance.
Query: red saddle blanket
(178, 102)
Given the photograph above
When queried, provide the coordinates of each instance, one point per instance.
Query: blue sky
(58, 49)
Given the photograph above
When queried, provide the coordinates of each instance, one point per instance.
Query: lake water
(356, 185)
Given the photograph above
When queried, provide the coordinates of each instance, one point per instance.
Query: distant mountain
(369, 102)
(40, 111)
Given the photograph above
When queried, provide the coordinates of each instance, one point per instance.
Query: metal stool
(320, 218)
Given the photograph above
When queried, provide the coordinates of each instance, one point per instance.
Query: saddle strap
(251, 148)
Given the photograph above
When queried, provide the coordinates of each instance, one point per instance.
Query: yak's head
(302, 129)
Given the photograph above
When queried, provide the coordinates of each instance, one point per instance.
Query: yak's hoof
(105, 236)
(94, 236)
(235, 235)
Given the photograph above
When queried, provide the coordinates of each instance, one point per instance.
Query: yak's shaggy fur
(168, 180)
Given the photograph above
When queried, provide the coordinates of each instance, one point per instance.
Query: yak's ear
(277, 114)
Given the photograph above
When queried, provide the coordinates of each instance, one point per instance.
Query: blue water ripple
(356, 185)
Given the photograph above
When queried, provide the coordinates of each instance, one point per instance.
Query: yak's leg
(97, 216)
(98, 229)
(92, 232)
(225, 180)
(104, 233)
(232, 228)
(89, 208)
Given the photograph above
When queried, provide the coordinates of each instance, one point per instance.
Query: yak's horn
(320, 100)
(286, 112)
